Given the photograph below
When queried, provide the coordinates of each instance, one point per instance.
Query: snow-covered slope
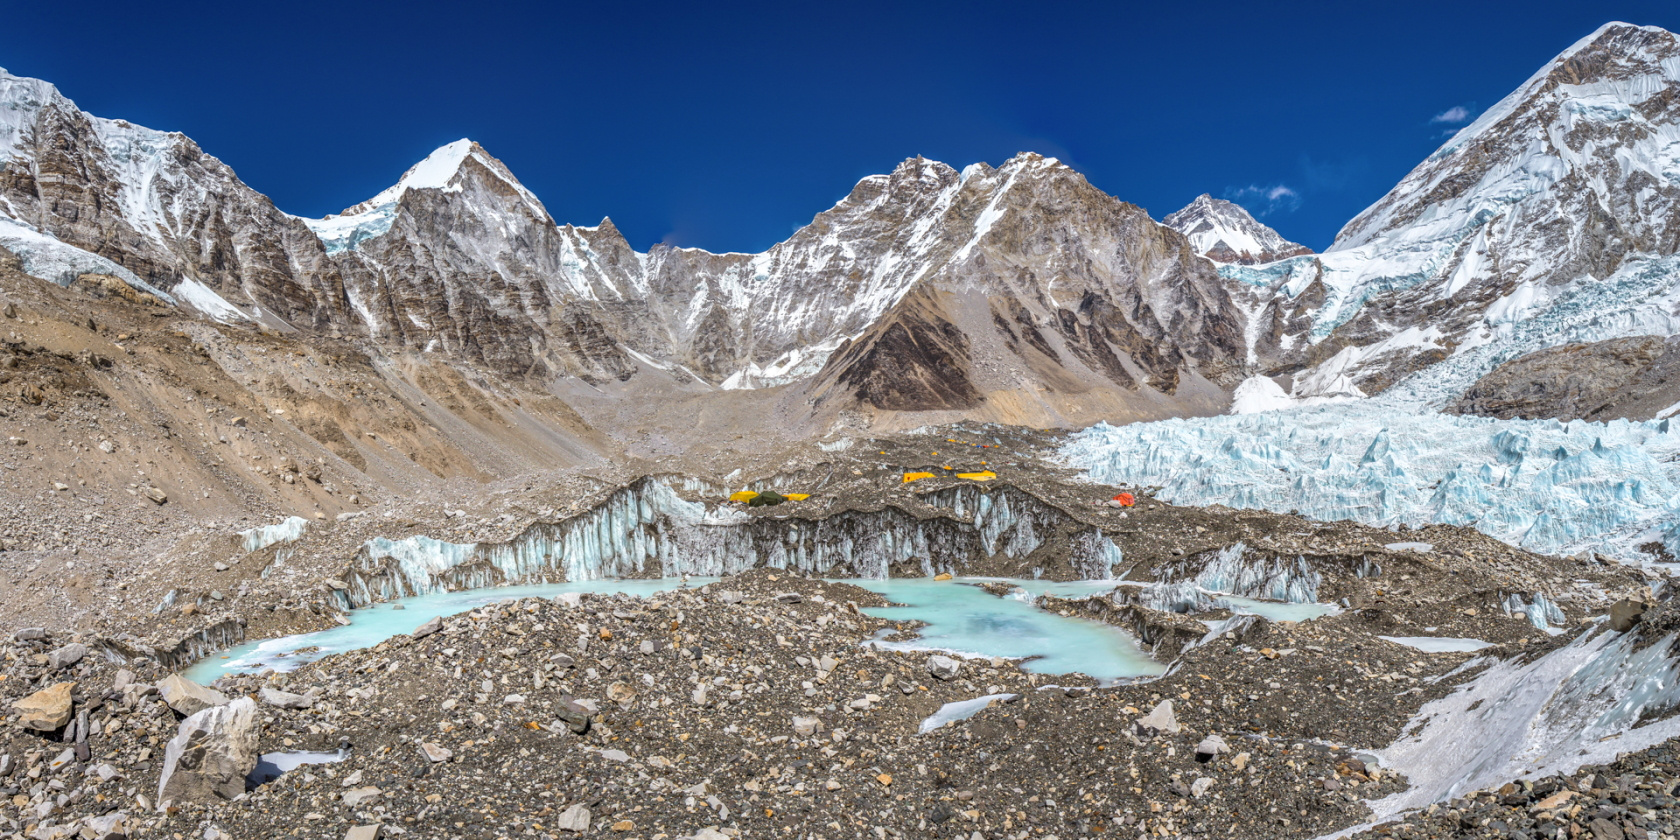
(1224, 232)
(1548, 220)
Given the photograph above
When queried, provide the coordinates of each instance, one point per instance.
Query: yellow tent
(983, 475)
(744, 496)
(916, 476)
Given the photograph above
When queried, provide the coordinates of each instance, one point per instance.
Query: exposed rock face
(1631, 378)
(211, 754)
(155, 204)
(1224, 232)
(458, 259)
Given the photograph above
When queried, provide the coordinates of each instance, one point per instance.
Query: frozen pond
(964, 619)
(1439, 644)
(371, 625)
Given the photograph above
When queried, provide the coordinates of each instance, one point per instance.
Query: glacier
(1543, 485)
(647, 529)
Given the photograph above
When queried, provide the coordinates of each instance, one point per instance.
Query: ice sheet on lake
(1547, 486)
(960, 710)
(1439, 644)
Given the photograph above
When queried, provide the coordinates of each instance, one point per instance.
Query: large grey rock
(187, 697)
(66, 656)
(944, 667)
(1160, 719)
(211, 754)
(285, 699)
(430, 627)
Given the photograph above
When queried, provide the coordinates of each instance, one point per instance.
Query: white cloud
(1265, 200)
(1454, 115)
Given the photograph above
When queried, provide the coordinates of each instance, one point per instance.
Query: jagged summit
(443, 170)
(1224, 232)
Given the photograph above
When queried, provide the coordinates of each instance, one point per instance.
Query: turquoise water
(371, 625)
(964, 619)
(960, 618)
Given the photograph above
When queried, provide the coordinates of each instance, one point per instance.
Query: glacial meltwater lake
(960, 618)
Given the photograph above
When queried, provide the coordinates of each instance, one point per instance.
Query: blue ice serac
(1544, 485)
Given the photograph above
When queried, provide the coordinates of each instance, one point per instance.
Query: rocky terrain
(220, 423)
(1629, 378)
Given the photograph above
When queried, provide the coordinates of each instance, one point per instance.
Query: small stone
(944, 667)
(335, 583)
(435, 754)
(513, 700)
(942, 576)
(1210, 746)
(623, 825)
(46, 710)
(430, 627)
(574, 819)
(885, 779)
(356, 796)
(805, 727)
(1200, 786)
(220, 566)
(619, 756)
(155, 495)
(575, 716)
(790, 598)
(363, 832)
(30, 634)
(620, 692)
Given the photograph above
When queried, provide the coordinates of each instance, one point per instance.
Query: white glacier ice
(46, 257)
(1544, 485)
(287, 530)
(648, 530)
(1580, 704)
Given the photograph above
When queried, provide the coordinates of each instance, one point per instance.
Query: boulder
(46, 710)
(1210, 746)
(943, 667)
(429, 627)
(187, 697)
(363, 832)
(66, 656)
(1624, 614)
(212, 752)
(1160, 719)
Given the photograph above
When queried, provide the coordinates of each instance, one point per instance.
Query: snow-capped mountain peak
(441, 170)
(1224, 232)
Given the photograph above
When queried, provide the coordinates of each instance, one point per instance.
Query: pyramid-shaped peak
(1224, 231)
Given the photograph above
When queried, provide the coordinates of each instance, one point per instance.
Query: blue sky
(726, 126)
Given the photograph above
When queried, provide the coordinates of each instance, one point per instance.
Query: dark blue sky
(726, 126)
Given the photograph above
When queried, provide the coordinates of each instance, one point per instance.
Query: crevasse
(647, 530)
